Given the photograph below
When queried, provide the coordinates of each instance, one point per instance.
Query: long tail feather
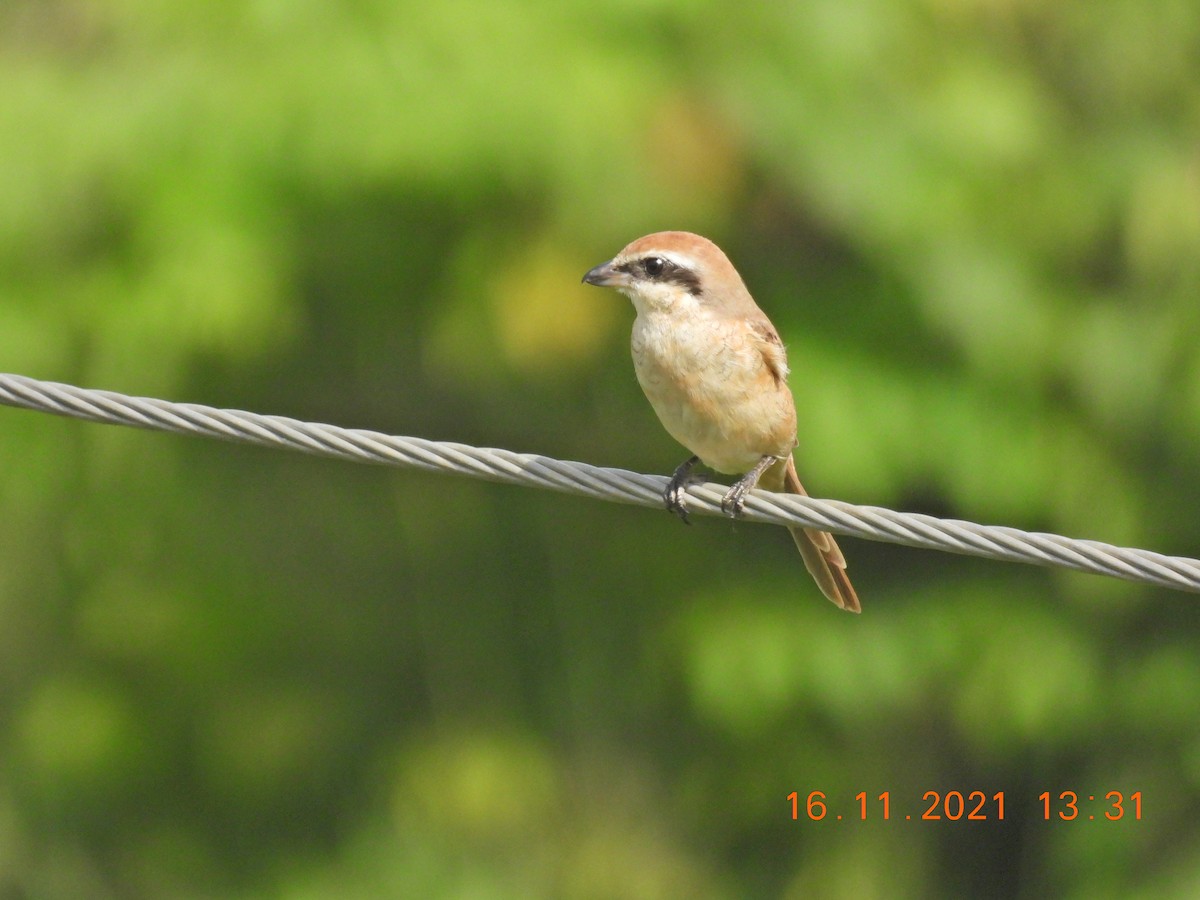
(822, 556)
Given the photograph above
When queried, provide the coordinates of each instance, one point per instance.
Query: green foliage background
(229, 672)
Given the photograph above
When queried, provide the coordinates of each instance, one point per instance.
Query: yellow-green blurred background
(229, 672)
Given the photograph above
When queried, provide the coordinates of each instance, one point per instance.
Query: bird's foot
(733, 504)
(675, 496)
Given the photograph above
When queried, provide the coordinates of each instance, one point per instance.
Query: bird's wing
(767, 341)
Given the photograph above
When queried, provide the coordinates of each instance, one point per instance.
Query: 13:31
(1067, 805)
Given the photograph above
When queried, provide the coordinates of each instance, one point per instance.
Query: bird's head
(672, 270)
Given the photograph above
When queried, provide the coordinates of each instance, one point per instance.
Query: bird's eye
(654, 266)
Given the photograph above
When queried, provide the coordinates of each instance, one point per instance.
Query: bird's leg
(676, 493)
(734, 502)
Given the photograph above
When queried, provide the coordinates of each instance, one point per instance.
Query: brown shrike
(714, 369)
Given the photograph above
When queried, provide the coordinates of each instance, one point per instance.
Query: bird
(715, 371)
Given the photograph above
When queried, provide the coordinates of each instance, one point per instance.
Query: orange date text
(969, 806)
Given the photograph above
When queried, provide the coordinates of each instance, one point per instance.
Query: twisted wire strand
(618, 485)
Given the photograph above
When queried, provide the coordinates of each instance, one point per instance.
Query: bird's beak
(606, 275)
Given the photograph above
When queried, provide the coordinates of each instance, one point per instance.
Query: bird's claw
(675, 495)
(733, 504)
(676, 499)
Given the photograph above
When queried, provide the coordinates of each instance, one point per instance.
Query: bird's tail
(822, 556)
